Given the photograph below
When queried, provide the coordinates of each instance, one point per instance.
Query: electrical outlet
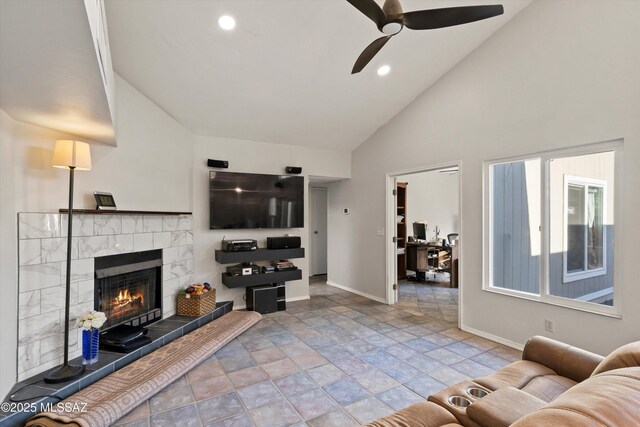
(548, 325)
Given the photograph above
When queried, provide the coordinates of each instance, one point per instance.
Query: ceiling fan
(390, 20)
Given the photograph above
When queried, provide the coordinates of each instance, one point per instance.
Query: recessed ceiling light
(384, 70)
(227, 22)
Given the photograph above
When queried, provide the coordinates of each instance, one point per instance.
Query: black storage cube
(263, 299)
(281, 296)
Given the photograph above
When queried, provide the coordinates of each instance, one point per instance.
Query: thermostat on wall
(104, 201)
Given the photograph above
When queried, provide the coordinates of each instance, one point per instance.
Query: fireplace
(128, 288)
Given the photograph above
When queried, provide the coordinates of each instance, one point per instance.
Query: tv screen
(249, 200)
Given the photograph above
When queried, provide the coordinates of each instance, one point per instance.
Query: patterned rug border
(115, 395)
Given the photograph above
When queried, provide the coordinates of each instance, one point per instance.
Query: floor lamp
(72, 155)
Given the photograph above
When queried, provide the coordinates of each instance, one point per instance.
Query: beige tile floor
(434, 297)
(337, 359)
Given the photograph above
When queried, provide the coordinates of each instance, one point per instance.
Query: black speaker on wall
(287, 242)
(224, 164)
(294, 169)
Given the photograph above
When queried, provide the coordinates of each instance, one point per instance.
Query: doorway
(318, 230)
(423, 255)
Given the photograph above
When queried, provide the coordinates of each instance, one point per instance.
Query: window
(549, 227)
(515, 225)
(584, 230)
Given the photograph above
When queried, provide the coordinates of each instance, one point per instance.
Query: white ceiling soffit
(323, 180)
(283, 75)
(49, 71)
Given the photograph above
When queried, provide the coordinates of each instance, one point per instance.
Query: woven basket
(196, 305)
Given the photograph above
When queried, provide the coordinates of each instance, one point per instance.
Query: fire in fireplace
(129, 288)
(125, 294)
(126, 301)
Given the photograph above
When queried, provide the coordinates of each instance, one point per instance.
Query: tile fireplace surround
(42, 241)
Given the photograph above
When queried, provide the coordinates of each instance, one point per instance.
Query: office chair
(451, 237)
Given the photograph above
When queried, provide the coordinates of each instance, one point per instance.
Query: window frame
(568, 277)
(488, 227)
(544, 296)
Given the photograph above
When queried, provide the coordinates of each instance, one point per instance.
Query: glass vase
(90, 344)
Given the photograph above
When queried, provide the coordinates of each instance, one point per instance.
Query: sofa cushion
(557, 418)
(517, 374)
(608, 399)
(423, 414)
(626, 356)
(548, 387)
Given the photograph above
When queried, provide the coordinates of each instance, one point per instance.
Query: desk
(429, 257)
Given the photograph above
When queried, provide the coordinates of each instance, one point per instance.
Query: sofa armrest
(503, 407)
(568, 361)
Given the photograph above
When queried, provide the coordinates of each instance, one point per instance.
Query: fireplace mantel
(122, 212)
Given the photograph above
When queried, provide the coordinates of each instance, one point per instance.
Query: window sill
(574, 277)
(552, 301)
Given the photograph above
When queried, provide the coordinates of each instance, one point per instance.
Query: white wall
(152, 149)
(432, 197)
(8, 259)
(253, 157)
(559, 74)
(149, 170)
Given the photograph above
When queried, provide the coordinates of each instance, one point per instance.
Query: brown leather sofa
(554, 384)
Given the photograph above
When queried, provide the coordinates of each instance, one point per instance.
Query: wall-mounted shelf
(260, 279)
(121, 212)
(224, 257)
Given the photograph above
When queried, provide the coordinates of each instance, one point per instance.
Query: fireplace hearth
(128, 288)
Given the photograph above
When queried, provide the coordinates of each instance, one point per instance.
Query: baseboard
(492, 337)
(353, 291)
(298, 298)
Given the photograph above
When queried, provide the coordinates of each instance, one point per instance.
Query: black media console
(265, 292)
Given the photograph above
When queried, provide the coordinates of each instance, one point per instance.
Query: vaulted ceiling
(283, 74)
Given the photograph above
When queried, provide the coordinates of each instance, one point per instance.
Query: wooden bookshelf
(401, 232)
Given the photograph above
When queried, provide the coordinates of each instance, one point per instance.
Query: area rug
(103, 403)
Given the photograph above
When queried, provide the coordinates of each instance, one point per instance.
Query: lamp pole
(67, 302)
(67, 372)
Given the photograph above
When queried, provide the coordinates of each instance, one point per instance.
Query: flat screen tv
(250, 200)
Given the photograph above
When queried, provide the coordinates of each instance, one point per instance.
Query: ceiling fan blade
(449, 16)
(371, 9)
(368, 54)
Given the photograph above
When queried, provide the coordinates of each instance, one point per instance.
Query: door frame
(390, 223)
(312, 213)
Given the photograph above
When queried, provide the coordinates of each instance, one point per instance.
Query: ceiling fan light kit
(392, 28)
(390, 20)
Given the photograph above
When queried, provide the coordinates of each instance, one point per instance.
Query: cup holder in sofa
(459, 401)
(476, 392)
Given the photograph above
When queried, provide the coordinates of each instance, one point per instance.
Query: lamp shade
(68, 154)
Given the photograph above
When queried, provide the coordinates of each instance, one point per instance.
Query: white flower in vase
(91, 320)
